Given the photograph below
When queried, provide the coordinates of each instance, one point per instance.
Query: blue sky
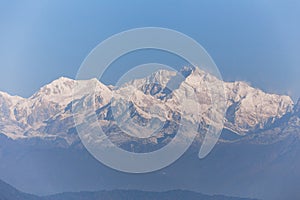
(257, 41)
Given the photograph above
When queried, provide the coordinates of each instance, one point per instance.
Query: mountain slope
(257, 155)
(7, 192)
(138, 195)
(250, 109)
(47, 114)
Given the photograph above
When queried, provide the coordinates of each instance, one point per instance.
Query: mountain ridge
(8, 192)
(259, 163)
(248, 109)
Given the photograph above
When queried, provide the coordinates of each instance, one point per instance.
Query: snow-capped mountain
(250, 109)
(257, 154)
(47, 113)
(8, 123)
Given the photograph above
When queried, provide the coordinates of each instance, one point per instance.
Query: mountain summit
(47, 113)
(257, 154)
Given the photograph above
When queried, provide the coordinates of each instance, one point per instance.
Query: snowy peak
(250, 108)
(161, 76)
(60, 91)
(247, 109)
(48, 111)
(158, 79)
(7, 102)
(188, 70)
(8, 98)
(51, 100)
(56, 91)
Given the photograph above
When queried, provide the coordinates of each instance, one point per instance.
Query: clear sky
(257, 41)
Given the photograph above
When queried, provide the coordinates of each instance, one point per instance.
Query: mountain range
(47, 113)
(7, 192)
(257, 155)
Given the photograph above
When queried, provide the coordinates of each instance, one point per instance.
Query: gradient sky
(257, 41)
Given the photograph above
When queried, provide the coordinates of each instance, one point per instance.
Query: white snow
(252, 108)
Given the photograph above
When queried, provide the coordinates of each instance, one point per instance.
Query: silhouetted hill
(8, 192)
(138, 195)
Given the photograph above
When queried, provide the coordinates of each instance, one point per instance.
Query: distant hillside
(257, 155)
(7, 192)
(137, 195)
